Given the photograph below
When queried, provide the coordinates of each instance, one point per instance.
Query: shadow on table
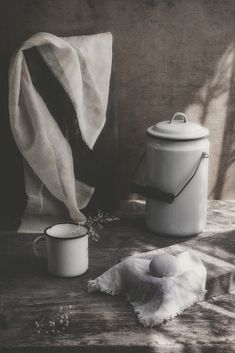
(120, 349)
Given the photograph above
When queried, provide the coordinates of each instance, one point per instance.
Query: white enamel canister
(177, 177)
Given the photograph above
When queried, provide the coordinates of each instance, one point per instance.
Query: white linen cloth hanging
(82, 65)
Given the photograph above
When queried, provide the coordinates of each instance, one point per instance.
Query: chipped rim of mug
(70, 238)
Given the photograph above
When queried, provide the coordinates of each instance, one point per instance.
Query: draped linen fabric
(82, 65)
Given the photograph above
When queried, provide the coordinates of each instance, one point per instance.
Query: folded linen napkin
(155, 299)
(82, 65)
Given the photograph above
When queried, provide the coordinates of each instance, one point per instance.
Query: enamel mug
(177, 177)
(67, 249)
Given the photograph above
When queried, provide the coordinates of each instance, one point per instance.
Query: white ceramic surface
(67, 249)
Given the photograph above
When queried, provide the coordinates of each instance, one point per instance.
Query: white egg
(164, 265)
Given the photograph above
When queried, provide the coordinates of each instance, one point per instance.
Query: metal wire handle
(155, 193)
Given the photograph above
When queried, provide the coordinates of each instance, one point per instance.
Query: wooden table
(102, 323)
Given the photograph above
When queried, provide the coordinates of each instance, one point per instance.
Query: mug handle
(35, 250)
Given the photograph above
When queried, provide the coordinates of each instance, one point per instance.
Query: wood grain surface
(99, 322)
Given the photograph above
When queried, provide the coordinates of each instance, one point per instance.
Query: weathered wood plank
(226, 348)
(110, 321)
(25, 268)
(101, 322)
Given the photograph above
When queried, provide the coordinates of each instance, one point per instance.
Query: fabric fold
(84, 72)
(155, 299)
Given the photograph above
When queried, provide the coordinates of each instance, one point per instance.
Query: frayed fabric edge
(159, 320)
(94, 285)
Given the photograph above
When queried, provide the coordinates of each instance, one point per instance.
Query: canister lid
(178, 128)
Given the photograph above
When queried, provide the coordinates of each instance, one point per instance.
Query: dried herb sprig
(96, 223)
(55, 323)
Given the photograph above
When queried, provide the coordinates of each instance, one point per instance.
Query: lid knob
(178, 128)
(179, 115)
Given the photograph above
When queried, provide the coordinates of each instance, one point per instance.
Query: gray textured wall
(169, 55)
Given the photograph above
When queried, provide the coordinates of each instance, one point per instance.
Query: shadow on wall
(226, 168)
(214, 106)
(182, 61)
